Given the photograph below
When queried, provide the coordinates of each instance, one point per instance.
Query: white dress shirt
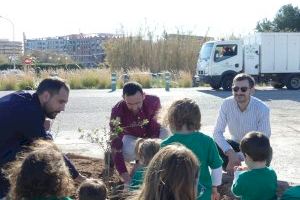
(256, 117)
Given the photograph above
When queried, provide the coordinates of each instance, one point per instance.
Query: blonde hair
(138, 147)
(171, 175)
(148, 148)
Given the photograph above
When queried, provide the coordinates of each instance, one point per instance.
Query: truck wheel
(293, 83)
(227, 82)
(215, 86)
(277, 85)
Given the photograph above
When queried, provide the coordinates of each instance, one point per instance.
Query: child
(256, 181)
(41, 175)
(145, 151)
(172, 174)
(292, 193)
(184, 119)
(92, 189)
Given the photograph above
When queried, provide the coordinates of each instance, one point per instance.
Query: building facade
(84, 49)
(11, 49)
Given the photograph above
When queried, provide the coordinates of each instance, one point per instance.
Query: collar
(247, 107)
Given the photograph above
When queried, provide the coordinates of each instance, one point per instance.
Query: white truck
(268, 57)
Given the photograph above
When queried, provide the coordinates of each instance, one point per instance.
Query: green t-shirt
(205, 150)
(137, 178)
(256, 184)
(292, 193)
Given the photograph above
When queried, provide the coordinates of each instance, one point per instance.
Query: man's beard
(51, 115)
(241, 98)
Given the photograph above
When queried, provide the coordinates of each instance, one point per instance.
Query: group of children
(254, 181)
(186, 165)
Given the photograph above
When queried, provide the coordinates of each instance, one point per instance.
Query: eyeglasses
(243, 89)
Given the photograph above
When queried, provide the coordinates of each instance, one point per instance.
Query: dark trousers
(236, 148)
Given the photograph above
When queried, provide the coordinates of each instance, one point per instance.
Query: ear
(248, 157)
(45, 96)
(144, 95)
(252, 90)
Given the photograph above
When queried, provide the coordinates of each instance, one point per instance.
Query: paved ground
(90, 109)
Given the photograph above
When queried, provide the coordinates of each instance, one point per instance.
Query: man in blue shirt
(23, 119)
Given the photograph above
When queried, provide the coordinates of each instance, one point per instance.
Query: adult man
(136, 114)
(23, 119)
(241, 113)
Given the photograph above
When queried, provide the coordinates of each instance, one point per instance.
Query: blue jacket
(21, 121)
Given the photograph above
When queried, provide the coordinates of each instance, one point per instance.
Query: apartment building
(10, 48)
(85, 49)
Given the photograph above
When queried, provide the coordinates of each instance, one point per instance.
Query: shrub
(8, 82)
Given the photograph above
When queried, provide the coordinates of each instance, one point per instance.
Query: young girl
(184, 118)
(171, 175)
(145, 151)
(41, 175)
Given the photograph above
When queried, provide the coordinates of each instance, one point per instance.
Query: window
(224, 52)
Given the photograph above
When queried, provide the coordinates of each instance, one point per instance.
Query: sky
(218, 18)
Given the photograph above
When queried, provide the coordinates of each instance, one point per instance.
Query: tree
(265, 26)
(287, 19)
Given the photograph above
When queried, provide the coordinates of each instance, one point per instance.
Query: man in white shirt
(241, 113)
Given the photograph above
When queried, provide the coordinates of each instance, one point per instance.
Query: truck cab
(219, 62)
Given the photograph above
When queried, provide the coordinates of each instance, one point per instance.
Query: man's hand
(126, 178)
(233, 160)
(215, 195)
(80, 178)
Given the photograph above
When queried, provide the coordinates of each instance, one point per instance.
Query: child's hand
(215, 195)
(240, 168)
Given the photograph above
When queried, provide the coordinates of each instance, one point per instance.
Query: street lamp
(13, 39)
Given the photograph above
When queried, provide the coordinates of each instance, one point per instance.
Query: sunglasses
(243, 89)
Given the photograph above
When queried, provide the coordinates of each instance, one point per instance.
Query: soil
(94, 168)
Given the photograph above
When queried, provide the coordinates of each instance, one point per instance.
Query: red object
(28, 61)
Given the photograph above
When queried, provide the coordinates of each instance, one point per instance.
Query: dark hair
(243, 76)
(131, 88)
(184, 112)
(41, 173)
(52, 85)
(256, 146)
(92, 189)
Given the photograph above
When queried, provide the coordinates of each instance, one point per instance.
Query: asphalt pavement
(89, 110)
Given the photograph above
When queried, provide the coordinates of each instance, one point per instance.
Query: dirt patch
(94, 168)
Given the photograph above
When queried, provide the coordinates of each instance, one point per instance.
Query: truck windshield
(206, 51)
